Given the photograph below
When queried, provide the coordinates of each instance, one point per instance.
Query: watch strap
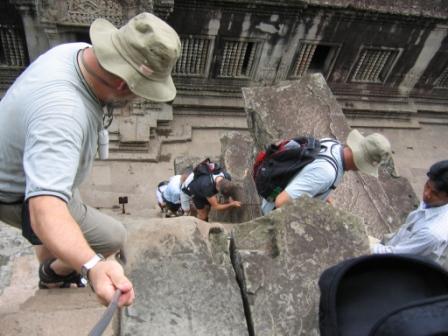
(92, 262)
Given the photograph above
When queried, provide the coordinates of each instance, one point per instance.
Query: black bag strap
(331, 160)
(161, 184)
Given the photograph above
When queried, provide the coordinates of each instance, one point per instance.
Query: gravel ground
(11, 244)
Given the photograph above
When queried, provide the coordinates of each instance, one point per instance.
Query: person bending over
(203, 191)
(318, 178)
(425, 231)
(50, 121)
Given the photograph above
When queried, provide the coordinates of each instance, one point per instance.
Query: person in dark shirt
(203, 191)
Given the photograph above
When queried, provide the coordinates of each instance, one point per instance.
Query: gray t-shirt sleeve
(52, 154)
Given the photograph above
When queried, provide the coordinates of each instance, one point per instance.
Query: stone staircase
(68, 312)
(138, 136)
(375, 112)
(27, 310)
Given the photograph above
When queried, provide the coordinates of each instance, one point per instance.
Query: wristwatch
(85, 269)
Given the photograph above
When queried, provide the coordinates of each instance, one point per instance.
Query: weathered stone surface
(55, 312)
(307, 106)
(400, 193)
(282, 255)
(183, 163)
(185, 284)
(187, 163)
(11, 244)
(235, 153)
(134, 128)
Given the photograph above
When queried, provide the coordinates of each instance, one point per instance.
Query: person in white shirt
(318, 178)
(168, 195)
(425, 231)
(159, 190)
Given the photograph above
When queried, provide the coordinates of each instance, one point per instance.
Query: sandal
(49, 279)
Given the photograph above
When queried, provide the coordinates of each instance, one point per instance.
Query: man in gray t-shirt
(50, 121)
(317, 178)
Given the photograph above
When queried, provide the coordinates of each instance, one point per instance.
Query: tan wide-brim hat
(143, 53)
(369, 152)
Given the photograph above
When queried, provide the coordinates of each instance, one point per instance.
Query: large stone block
(307, 107)
(279, 258)
(184, 282)
(134, 128)
(235, 153)
(184, 164)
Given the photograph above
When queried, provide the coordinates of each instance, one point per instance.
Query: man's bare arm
(282, 199)
(222, 206)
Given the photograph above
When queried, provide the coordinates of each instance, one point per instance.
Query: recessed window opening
(442, 81)
(82, 37)
(238, 58)
(2, 56)
(374, 64)
(247, 58)
(320, 59)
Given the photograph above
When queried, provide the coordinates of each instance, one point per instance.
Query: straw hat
(143, 53)
(370, 151)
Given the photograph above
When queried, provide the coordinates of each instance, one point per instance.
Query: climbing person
(159, 190)
(202, 187)
(169, 194)
(50, 121)
(307, 166)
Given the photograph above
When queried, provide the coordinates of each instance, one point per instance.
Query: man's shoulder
(437, 224)
(442, 218)
(69, 47)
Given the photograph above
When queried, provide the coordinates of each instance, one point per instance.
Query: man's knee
(116, 239)
(104, 234)
(112, 239)
(203, 214)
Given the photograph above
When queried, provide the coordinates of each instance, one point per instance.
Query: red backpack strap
(258, 161)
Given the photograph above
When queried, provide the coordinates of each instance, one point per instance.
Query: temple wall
(386, 64)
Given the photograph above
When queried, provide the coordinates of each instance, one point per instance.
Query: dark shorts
(103, 233)
(173, 207)
(200, 202)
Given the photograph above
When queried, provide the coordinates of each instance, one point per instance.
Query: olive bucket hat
(369, 152)
(143, 53)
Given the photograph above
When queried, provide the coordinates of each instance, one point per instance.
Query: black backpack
(384, 295)
(207, 167)
(279, 163)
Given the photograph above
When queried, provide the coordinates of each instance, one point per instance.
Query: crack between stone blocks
(240, 279)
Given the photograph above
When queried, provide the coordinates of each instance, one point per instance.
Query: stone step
(27, 310)
(147, 154)
(374, 112)
(68, 312)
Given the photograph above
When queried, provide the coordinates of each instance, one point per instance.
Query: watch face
(84, 272)
(84, 281)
